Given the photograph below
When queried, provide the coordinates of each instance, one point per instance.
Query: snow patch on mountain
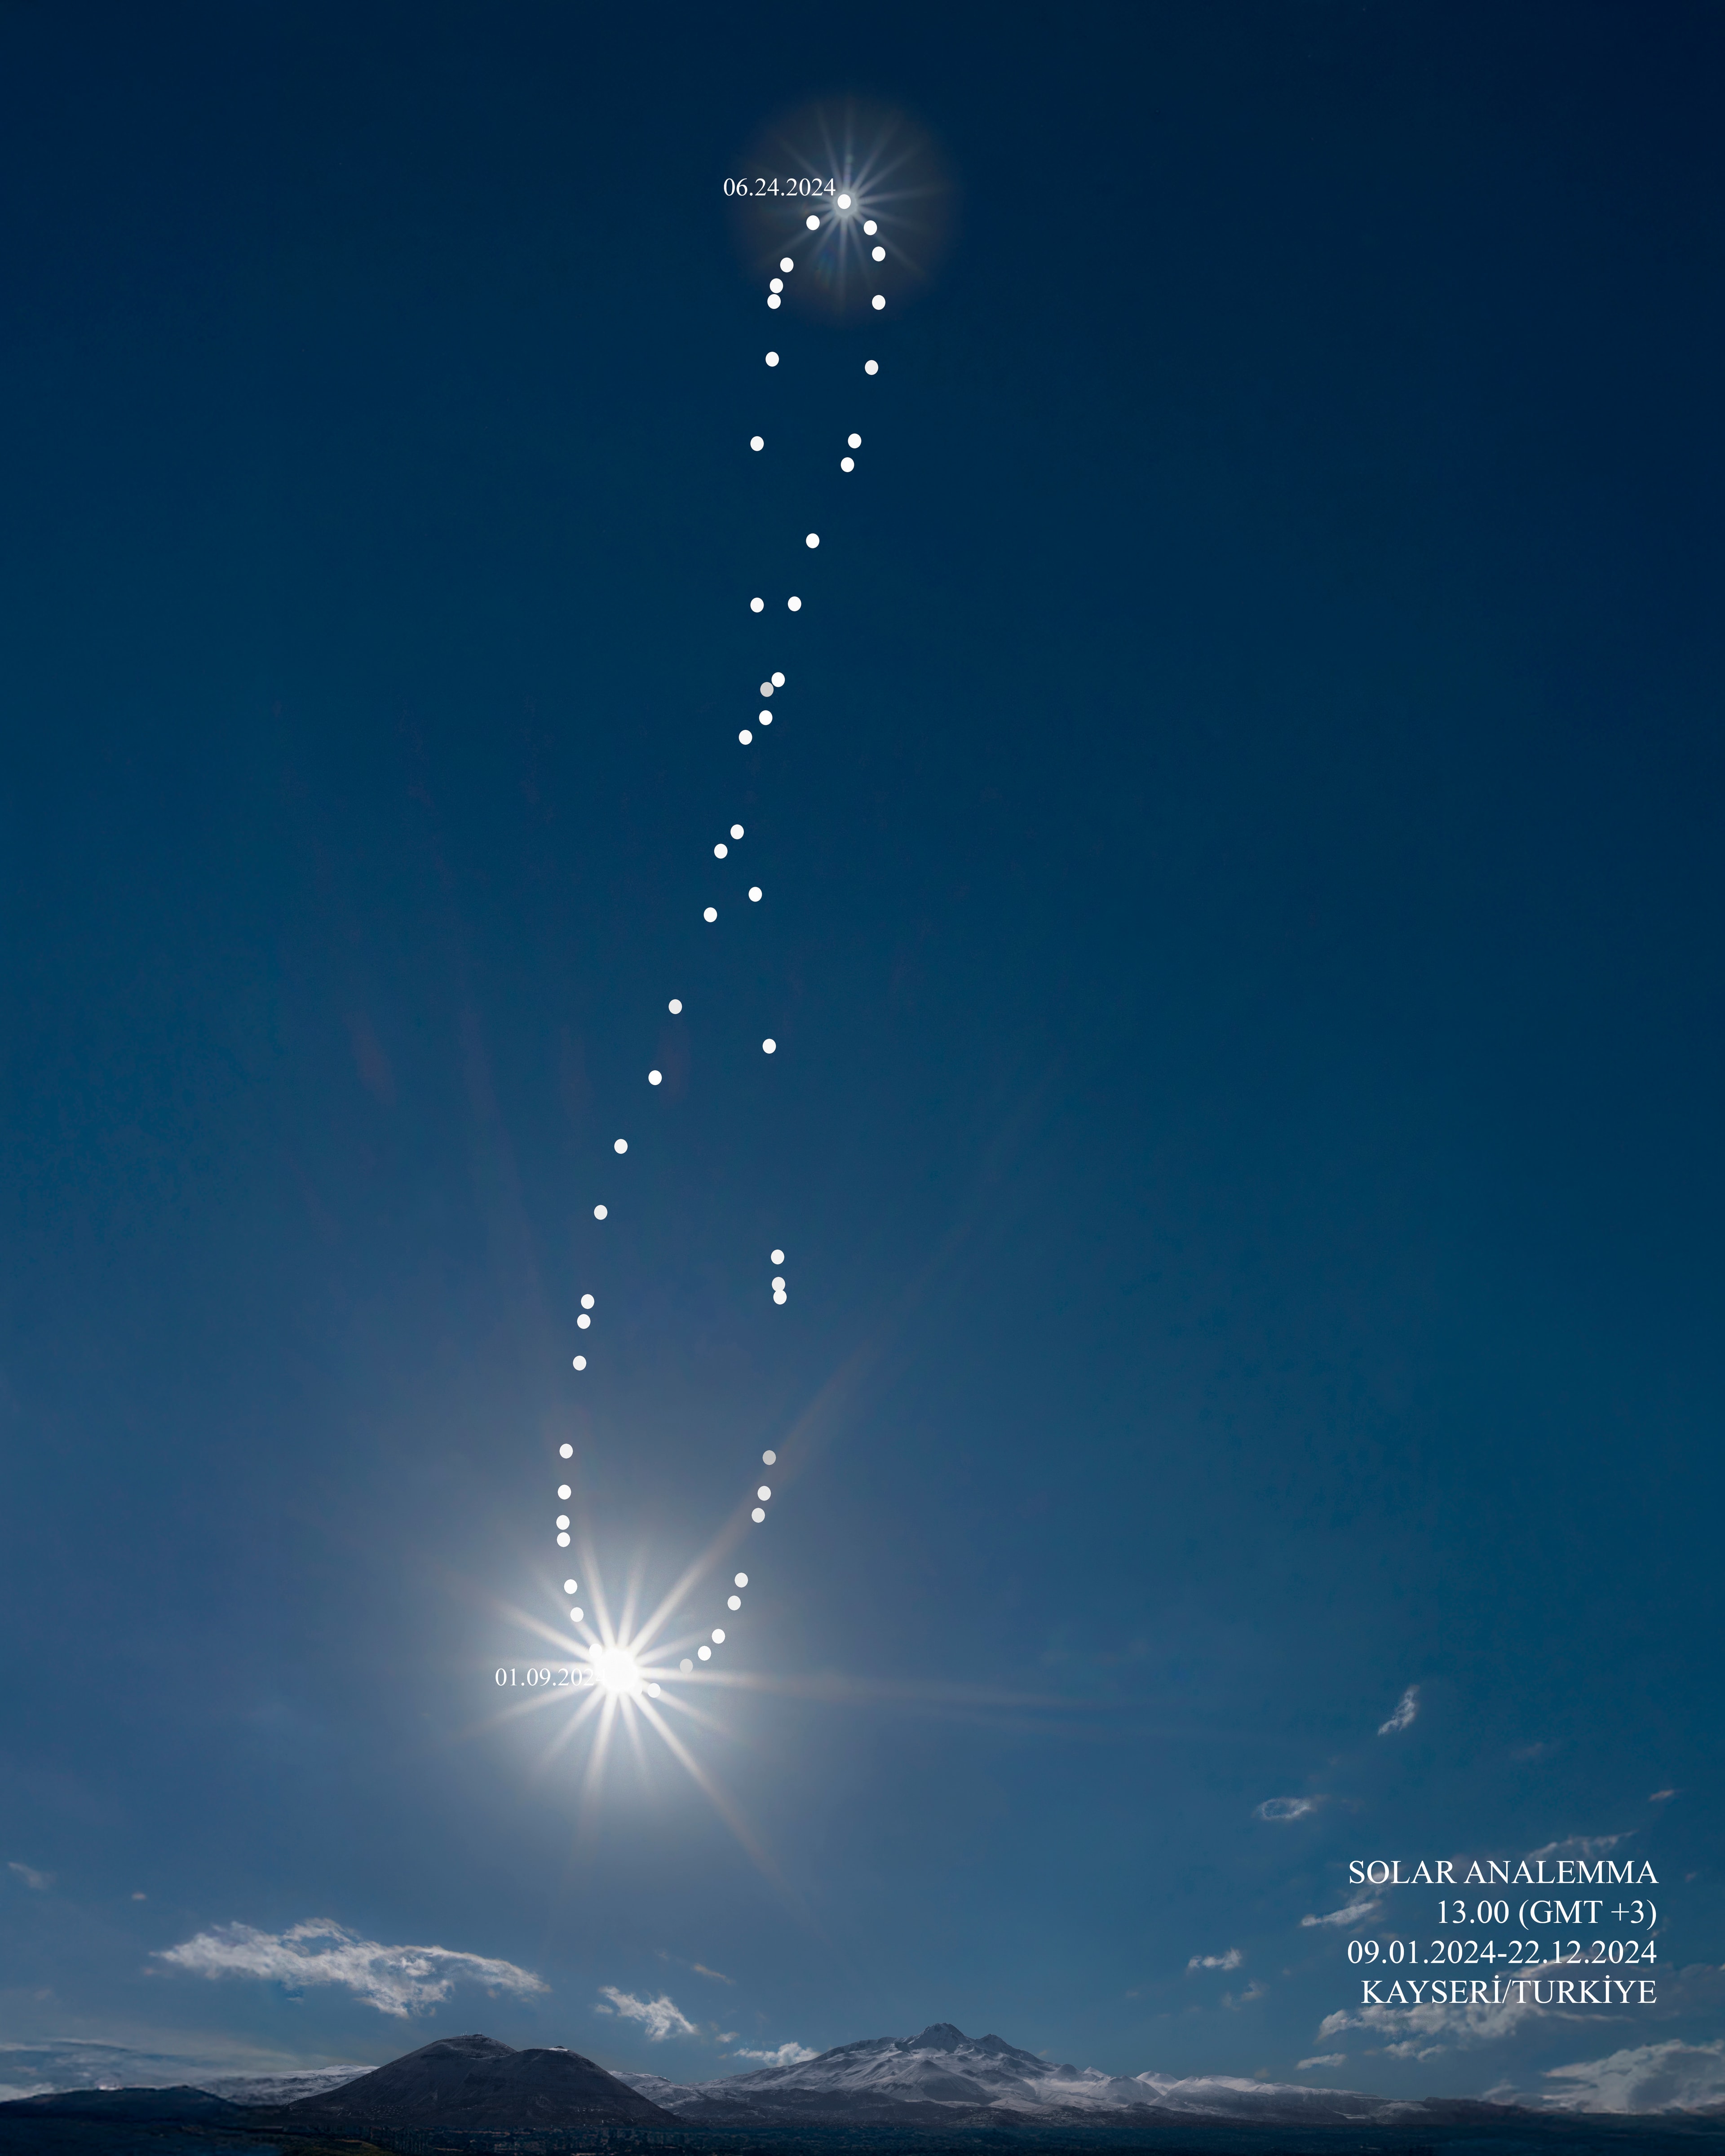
(943, 2068)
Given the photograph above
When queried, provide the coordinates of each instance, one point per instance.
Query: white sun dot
(879, 254)
(576, 1616)
(773, 299)
(599, 1212)
(757, 1516)
(813, 540)
(655, 1077)
(720, 852)
(587, 1302)
(567, 1452)
(779, 680)
(580, 1362)
(871, 227)
(770, 1048)
(755, 892)
(733, 1602)
(777, 284)
(756, 605)
(584, 1320)
(705, 1653)
(776, 1258)
(787, 265)
(565, 1493)
(718, 1636)
(844, 202)
(764, 718)
(763, 1493)
(813, 224)
(854, 441)
(765, 688)
(878, 301)
(769, 1458)
(563, 1542)
(620, 1145)
(779, 1295)
(744, 735)
(778, 1280)
(847, 464)
(571, 1586)
(652, 1692)
(709, 913)
(758, 441)
(675, 1006)
(795, 605)
(741, 1579)
(773, 359)
(871, 366)
(563, 1519)
(686, 1667)
(736, 830)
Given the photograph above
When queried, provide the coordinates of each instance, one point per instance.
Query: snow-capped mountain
(271, 2089)
(945, 2075)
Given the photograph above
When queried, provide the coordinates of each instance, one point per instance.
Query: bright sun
(616, 1670)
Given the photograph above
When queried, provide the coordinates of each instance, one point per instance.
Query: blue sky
(1241, 928)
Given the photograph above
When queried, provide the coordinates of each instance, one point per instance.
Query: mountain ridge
(942, 2077)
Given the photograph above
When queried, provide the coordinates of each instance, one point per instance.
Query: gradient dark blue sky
(1243, 929)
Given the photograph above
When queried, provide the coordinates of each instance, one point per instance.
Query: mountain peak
(938, 2036)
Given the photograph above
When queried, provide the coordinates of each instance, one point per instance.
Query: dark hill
(475, 2084)
(130, 2105)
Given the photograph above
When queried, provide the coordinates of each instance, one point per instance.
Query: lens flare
(846, 170)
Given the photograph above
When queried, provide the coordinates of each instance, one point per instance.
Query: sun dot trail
(844, 243)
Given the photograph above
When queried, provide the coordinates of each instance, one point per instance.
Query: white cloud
(41, 1880)
(1231, 1959)
(1234, 2001)
(1664, 1796)
(1587, 1847)
(659, 2017)
(1323, 2059)
(80, 2062)
(787, 2054)
(1422, 2032)
(1406, 1707)
(396, 1980)
(1287, 1808)
(1356, 1913)
(1652, 2077)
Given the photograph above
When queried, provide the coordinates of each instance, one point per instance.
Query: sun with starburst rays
(878, 223)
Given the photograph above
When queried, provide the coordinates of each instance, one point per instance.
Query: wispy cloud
(1323, 2059)
(659, 2017)
(1586, 1846)
(1428, 2032)
(1356, 1913)
(1287, 1808)
(1231, 1959)
(1406, 1707)
(217, 2063)
(1651, 2077)
(398, 1980)
(700, 1967)
(1664, 1796)
(787, 2054)
(1254, 1990)
(41, 1880)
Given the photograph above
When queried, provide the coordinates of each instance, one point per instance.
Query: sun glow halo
(616, 1670)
